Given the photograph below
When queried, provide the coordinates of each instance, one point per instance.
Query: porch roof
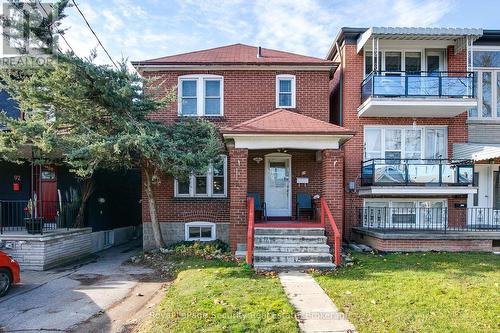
(287, 129)
(282, 121)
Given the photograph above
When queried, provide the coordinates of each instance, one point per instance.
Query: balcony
(416, 177)
(422, 94)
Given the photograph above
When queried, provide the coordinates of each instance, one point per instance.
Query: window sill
(199, 198)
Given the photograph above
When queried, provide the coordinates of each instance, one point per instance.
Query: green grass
(432, 292)
(217, 296)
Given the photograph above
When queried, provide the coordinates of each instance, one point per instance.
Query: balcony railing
(424, 172)
(440, 219)
(418, 84)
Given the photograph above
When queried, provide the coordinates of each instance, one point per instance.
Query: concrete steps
(291, 248)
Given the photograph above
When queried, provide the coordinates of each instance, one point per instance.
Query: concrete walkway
(60, 300)
(315, 310)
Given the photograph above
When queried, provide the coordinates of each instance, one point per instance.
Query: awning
(475, 152)
(458, 35)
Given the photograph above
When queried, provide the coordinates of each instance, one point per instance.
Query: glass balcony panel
(390, 173)
(449, 175)
(408, 84)
(456, 86)
(423, 85)
(415, 172)
(388, 85)
(423, 173)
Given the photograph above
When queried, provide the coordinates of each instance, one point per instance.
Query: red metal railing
(251, 221)
(325, 211)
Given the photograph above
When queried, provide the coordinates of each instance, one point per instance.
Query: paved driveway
(59, 300)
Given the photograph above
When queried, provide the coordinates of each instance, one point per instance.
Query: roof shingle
(282, 121)
(235, 54)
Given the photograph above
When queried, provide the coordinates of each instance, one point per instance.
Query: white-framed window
(200, 231)
(211, 184)
(405, 142)
(200, 95)
(411, 61)
(285, 91)
(487, 87)
(405, 212)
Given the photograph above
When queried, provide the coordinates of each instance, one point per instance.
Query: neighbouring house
(419, 173)
(39, 205)
(483, 144)
(272, 109)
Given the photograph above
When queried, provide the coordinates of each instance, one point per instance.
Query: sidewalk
(315, 310)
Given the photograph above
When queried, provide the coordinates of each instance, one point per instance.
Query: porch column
(238, 160)
(332, 183)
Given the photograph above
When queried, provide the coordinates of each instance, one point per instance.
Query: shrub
(200, 249)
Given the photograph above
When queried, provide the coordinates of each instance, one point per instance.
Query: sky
(145, 29)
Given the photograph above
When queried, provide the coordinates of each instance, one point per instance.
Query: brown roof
(286, 122)
(235, 54)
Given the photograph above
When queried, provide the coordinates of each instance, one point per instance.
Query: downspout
(341, 123)
(341, 84)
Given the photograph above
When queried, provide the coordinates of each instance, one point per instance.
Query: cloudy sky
(143, 29)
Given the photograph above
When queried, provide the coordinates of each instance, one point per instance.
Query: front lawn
(431, 292)
(218, 296)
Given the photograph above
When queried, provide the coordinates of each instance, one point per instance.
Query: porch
(291, 167)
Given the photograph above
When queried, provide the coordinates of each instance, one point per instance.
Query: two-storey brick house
(406, 93)
(272, 109)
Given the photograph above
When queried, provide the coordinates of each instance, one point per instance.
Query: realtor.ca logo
(28, 38)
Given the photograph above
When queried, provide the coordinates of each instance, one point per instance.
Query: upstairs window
(200, 95)
(285, 91)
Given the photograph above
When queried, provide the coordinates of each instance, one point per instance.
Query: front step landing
(291, 248)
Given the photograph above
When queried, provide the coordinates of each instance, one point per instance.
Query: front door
(278, 185)
(435, 62)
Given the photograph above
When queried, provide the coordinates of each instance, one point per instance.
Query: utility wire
(93, 32)
(58, 32)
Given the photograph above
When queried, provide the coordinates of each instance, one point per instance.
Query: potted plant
(32, 222)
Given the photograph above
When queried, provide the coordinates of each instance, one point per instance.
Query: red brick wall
(332, 166)
(411, 245)
(352, 69)
(238, 188)
(248, 94)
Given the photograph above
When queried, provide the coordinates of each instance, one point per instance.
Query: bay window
(200, 95)
(405, 142)
(213, 183)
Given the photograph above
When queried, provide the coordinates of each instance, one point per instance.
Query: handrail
(336, 233)
(250, 231)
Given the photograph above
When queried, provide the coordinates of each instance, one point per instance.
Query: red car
(9, 273)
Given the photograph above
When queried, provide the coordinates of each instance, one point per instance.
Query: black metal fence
(37, 217)
(428, 219)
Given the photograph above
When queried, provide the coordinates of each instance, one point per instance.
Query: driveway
(100, 295)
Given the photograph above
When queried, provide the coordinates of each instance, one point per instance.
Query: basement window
(200, 231)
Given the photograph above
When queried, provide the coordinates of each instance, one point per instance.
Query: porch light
(258, 159)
